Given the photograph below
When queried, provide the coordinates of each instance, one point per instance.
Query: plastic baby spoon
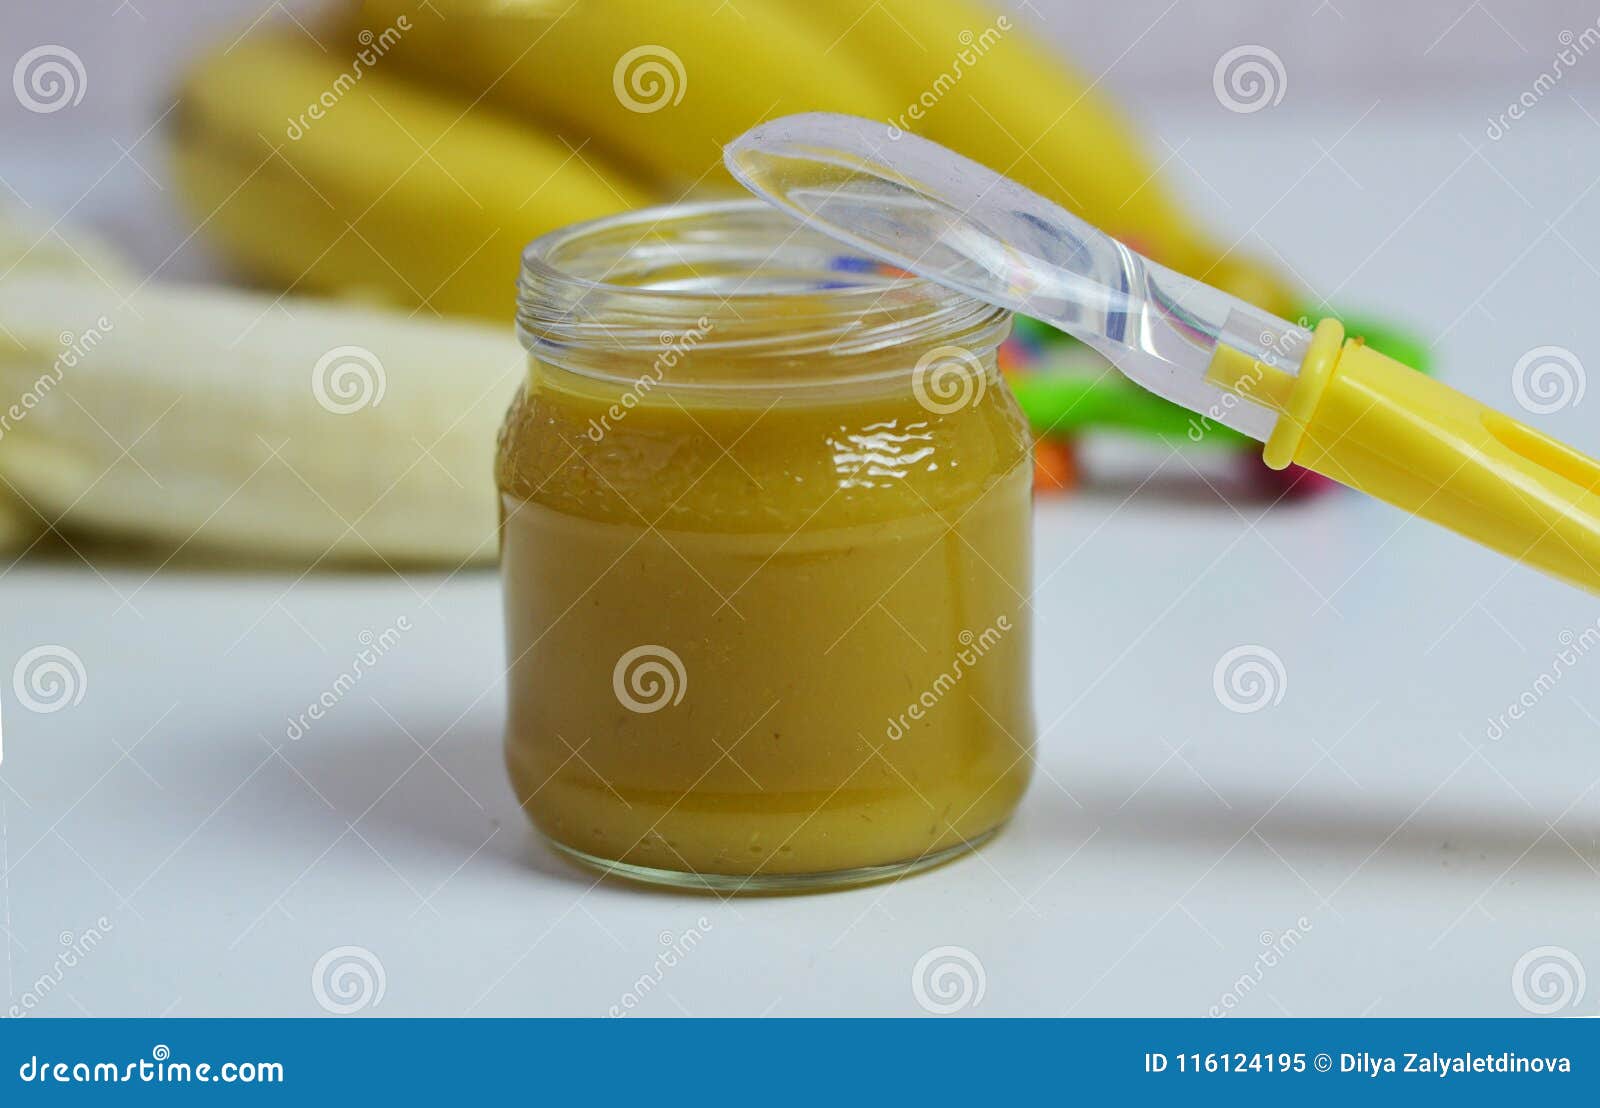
(1315, 398)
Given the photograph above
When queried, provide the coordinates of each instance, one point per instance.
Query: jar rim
(539, 256)
(725, 269)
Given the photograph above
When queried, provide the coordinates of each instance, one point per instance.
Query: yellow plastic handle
(1379, 426)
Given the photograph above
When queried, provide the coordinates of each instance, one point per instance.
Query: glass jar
(766, 556)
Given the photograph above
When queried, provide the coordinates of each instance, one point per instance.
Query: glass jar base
(727, 884)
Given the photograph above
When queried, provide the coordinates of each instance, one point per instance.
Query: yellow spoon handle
(1379, 426)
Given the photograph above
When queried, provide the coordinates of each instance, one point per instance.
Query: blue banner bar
(364, 1061)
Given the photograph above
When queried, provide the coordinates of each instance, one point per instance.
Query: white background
(1164, 836)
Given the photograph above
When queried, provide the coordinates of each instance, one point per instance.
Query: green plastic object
(1397, 344)
(1068, 402)
(1063, 395)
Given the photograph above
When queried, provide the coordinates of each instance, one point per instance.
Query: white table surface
(1165, 836)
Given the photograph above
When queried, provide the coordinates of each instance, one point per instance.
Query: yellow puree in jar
(826, 589)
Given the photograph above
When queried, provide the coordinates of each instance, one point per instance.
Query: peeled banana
(211, 419)
(28, 245)
(31, 247)
(659, 84)
(372, 186)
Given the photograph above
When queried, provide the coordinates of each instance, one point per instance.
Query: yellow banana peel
(659, 84)
(977, 81)
(317, 174)
(261, 426)
(475, 125)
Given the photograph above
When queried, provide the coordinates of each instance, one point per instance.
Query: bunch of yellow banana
(317, 174)
(204, 418)
(660, 84)
(328, 166)
(409, 162)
